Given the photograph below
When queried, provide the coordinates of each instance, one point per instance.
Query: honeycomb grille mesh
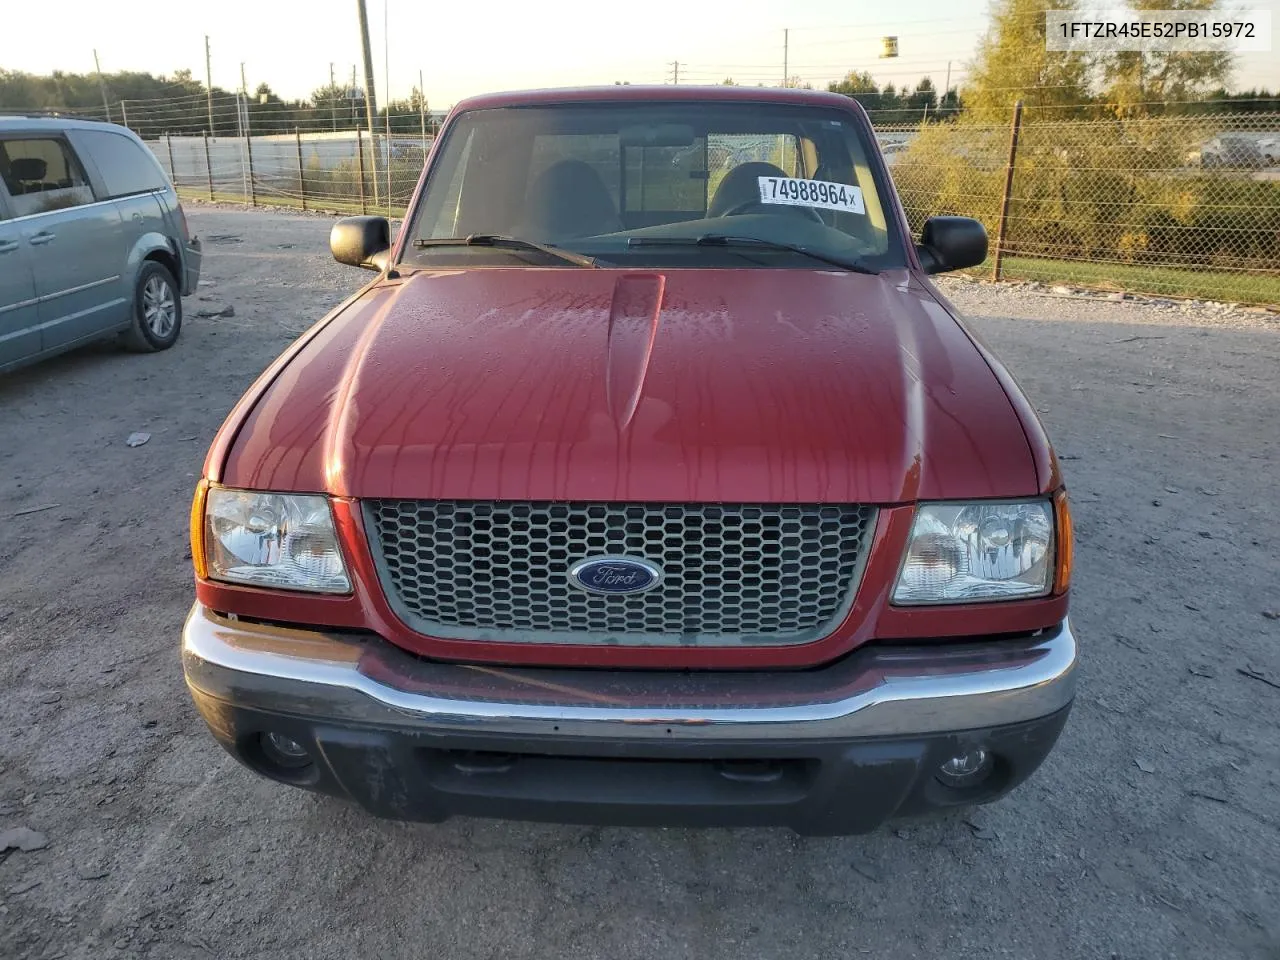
(771, 574)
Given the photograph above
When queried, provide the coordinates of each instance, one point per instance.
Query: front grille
(765, 574)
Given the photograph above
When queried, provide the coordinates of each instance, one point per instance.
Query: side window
(42, 175)
(125, 166)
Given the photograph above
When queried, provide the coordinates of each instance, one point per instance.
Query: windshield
(656, 184)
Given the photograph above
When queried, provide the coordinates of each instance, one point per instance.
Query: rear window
(125, 166)
(42, 174)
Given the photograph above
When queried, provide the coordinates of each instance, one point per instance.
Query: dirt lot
(1152, 832)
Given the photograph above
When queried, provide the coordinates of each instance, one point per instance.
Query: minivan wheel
(157, 310)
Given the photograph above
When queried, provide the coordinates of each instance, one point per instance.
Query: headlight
(967, 552)
(273, 540)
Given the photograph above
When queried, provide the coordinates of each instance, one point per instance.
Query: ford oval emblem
(615, 575)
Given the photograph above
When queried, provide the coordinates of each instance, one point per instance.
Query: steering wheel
(755, 206)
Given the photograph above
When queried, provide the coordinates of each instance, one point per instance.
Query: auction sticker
(811, 193)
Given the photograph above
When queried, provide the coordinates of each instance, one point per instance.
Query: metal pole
(208, 81)
(386, 91)
(98, 70)
(360, 166)
(786, 51)
(302, 177)
(124, 113)
(333, 99)
(370, 95)
(208, 164)
(947, 88)
(173, 170)
(422, 114)
(248, 152)
(1008, 188)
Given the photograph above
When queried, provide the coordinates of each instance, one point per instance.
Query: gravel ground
(1152, 832)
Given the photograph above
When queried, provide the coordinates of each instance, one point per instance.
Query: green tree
(1012, 64)
(1137, 83)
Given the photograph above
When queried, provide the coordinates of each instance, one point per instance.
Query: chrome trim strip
(49, 213)
(18, 306)
(885, 691)
(80, 289)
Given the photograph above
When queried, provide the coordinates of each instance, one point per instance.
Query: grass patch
(1232, 285)
(344, 207)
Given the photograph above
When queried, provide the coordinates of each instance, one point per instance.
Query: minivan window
(42, 174)
(125, 166)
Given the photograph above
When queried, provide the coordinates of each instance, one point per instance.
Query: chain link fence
(1183, 206)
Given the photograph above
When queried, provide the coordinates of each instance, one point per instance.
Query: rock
(1062, 291)
(1115, 296)
(1144, 765)
(22, 838)
(51, 698)
(214, 312)
(866, 868)
(981, 831)
(137, 439)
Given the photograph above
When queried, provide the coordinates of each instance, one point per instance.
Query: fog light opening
(285, 752)
(967, 769)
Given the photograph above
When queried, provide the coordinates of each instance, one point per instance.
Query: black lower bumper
(830, 787)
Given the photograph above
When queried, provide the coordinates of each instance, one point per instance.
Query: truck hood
(752, 385)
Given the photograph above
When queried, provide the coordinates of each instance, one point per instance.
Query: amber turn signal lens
(1066, 545)
(197, 529)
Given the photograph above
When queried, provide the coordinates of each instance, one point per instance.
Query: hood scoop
(634, 316)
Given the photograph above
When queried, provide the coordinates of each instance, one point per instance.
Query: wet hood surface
(753, 385)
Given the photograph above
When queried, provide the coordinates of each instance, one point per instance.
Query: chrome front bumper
(349, 679)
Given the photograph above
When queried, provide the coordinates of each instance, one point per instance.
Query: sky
(467, 48)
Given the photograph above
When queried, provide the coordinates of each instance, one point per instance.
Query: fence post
(208, 164)
(360, 163)
(173, 171)
(302, 177)
(1008, 188)
(248, 149)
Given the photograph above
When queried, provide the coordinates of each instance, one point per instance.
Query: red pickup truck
(650, 481)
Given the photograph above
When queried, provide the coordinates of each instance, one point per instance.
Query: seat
(568, 199)
(27, 174)
(741, 186)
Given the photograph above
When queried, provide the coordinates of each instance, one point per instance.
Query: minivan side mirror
(362, 242)
(951, 243)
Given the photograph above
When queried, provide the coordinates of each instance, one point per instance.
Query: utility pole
(98, 70)
(333, 99)
(422, 114)
(208, 81)
(370, 96)
(786, 50)
(386, 90)
(675, 71)
(946, 89)
(351, 93)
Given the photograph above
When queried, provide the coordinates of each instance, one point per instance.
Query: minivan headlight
(972, 552)
(273, 540)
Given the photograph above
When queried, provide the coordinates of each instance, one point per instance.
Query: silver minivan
(93, 240)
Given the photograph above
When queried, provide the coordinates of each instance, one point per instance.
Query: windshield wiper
(722, 240)
(498, 240)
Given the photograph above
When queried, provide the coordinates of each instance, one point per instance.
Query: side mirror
(361, 242)
(951, 243)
